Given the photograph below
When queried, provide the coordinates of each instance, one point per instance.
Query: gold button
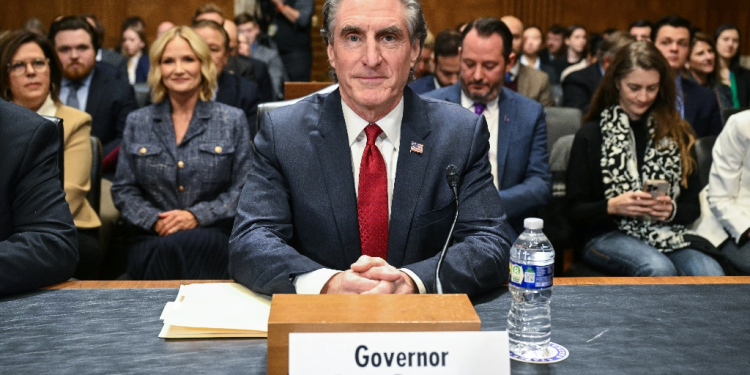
(218, 149)
(180, 164)
(142, 150)
(181, 189)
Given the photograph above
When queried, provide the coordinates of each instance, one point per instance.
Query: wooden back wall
(595, 15)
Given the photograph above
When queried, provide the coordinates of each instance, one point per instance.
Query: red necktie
(372, 202)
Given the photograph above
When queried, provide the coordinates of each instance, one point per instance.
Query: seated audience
(595, 41)
(727, 223)
(641, 30)
(575, 50)
(31, 78)
(532, 43)
(232, 89)
(37, 235)
(86, 86)
(106, 55)
(292, 20)
(696, 104)
(518, 153)
(635, 134)
(702, 61)
(183, 164)
(733, 84)
(133, 47)
(529, 82)
(250, 29)
(447, 46)
(554, 43)
(579, 87)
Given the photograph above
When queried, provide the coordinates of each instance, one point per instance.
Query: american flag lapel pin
(416, 147)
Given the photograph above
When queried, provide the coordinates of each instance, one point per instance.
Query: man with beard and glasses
(89, 87)
(518, 132)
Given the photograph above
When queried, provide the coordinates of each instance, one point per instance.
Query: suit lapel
(334, 156)
(505, 126)
(96, 91)
(410, 175)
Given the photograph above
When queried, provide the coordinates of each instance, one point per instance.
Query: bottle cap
(533, 223)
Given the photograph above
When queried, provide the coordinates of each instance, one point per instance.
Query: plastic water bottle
(532, 262)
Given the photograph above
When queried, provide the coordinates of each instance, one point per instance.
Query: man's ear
(511, 62)
(331, 54)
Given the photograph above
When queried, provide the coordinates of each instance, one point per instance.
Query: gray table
(609, 329)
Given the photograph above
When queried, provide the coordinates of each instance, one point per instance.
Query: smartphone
(657, 188)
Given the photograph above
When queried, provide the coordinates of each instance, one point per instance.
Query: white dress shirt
(492, 115)
(537, 65)
(132, 66)
(388, 143)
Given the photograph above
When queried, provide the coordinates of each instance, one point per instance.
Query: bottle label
(531, 277)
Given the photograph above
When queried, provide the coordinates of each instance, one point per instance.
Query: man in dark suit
(555, 36)
(518, 133)
(348, 192)
(579, 87)
(232, 89)
(37, 235)
(88, 87)
(698, 105)
(447, 47)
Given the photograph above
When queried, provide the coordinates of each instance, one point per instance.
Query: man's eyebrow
(389, 30)
(350, 29)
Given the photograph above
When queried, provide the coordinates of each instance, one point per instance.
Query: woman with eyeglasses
(30, 77)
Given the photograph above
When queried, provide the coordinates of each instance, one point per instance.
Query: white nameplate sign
(404, 353)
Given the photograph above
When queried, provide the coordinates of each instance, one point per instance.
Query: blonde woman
(182, 166)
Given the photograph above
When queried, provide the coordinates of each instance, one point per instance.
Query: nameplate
(404, 353)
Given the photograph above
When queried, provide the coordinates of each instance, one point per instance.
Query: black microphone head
(451, 174)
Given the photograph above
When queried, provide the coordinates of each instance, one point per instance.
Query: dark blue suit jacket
(109, 103)
(701, 109)
(424, 84)
(38, 244)
(298, 210)
(239, 93)
(141, 70)
(522, 156)
(579, 87)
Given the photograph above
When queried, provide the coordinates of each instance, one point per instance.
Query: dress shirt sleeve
(313, 282)
(126, 190)
(726, 178)
(224, 206)
(416, 279)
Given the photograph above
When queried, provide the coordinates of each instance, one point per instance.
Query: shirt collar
(514, 71)
(48, 108)
(390, 124)
(525, 61)
(466, 102)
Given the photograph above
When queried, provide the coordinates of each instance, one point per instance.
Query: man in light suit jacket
(518, 132)
(348, 192)
(37, 235)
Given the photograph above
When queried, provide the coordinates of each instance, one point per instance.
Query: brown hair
(703, 37)
(9, 45)
(667, 120)
(208, 8)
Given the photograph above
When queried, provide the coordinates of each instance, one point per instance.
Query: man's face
(424, 64)
(251, 31)
(674, 44)
(372, 54)
(231, 30)
(554, 43)
(516, 28)
(215, 42)
(483, 67)
(641, 33)
(447, 69)
(216, 17)
(76, 53)
(532, 41)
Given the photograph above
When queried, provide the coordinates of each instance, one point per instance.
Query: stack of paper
(216, 310)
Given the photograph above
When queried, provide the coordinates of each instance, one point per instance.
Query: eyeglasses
(18, 68)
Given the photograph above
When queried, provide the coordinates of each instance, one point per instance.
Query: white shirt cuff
(417, 280)
(313, 282)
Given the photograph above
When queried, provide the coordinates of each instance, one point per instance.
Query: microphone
(451, 175)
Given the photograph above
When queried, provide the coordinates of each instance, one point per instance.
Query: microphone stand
(451, 174)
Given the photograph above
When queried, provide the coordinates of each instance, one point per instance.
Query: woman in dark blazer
(182, 166)
(134, 47)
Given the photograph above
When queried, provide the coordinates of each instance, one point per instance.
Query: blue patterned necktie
(73, 95)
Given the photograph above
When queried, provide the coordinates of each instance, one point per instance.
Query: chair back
(95, 193)
(556, 91)
(703, 148)
(142, 93)
(61, 150)
(562, 121)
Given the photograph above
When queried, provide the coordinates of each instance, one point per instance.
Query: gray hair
(415, 23)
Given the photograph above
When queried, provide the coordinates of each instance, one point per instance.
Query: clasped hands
(170, 222)
(639, 203)
(370, 276)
